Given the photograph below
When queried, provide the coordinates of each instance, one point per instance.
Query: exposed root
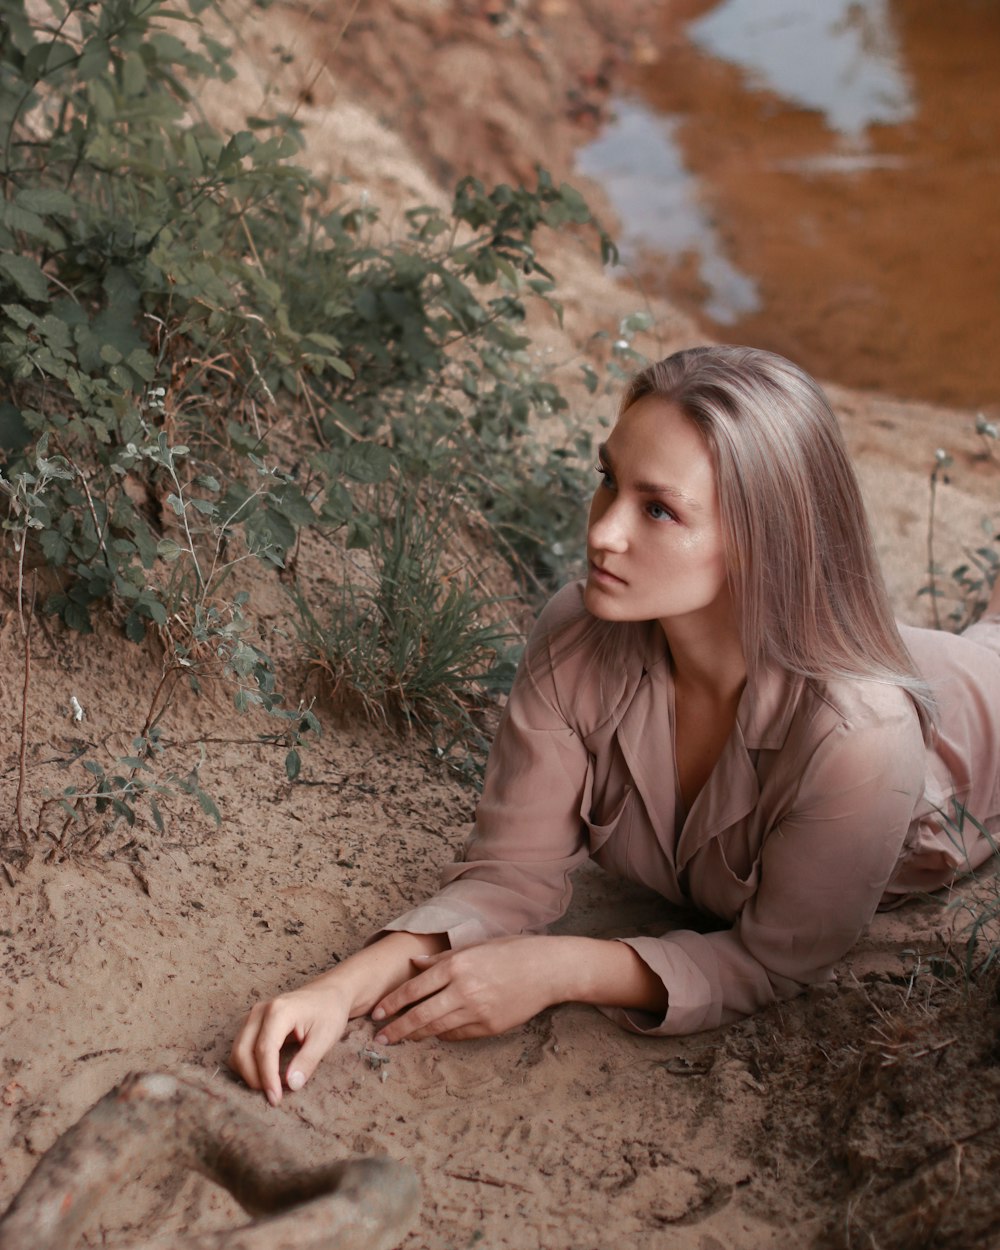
(354, 1204)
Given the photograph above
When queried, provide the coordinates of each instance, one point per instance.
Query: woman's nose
(607, 527)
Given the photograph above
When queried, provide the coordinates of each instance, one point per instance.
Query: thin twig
(488, 1180)
(174, 670)
(889, 1060)
(931, 567)
(26, 633)
(184, 521)
(98, 529)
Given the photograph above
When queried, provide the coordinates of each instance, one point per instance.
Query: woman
(723, 710)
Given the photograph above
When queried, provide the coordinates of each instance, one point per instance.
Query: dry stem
(22, 751)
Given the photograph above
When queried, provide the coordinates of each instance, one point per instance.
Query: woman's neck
(707, 659)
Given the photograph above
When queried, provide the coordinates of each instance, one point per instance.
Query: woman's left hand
(478, 991)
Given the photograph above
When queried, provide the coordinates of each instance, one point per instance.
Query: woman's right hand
(315, 1016)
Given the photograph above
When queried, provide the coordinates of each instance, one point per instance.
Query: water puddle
(839, 57)
(821, 177)
(652, 192)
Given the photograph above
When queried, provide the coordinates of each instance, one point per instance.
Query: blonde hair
(803, 571)
(802, 566)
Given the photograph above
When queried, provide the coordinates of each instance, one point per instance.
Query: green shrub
(975, 956)
(201, 357)
(155, 275)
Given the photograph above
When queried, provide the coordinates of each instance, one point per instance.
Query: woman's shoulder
(858, 727)
(563, 610)
(849, 736)
(859, 702)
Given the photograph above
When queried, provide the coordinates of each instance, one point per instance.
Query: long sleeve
(528, 837)
(820, 875)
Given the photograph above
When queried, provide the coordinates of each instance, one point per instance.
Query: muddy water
(822, 178)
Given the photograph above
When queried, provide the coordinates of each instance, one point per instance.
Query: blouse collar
(766, 706)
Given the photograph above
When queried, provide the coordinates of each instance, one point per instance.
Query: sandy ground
(861, 1115)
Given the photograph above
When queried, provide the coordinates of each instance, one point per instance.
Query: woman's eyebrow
(650, 488)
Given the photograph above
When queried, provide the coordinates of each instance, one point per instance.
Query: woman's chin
(601, 605)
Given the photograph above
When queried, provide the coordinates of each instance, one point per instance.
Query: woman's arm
(514, 878)
(476, 992)
(484, 990)
(514, 875)
(316, 1014)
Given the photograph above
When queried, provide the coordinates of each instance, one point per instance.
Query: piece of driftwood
(355, 1204)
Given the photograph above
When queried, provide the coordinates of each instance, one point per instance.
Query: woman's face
(655, 543)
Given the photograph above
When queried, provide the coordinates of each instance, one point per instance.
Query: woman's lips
(604, 577)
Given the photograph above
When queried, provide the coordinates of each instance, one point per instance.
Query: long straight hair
(808, 590)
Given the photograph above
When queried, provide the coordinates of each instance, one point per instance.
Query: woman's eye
(658, 512)
(604, 474)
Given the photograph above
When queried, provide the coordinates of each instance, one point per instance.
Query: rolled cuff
(460, 930)
(934, 857)
(703, 990)
(679, 1017)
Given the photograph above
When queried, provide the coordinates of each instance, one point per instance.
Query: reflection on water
(643, 172)
(839, 163)
(821, 178)
(837, 56)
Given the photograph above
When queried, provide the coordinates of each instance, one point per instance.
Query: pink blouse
(825, 801)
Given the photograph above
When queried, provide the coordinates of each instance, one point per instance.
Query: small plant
(972, 580)
(978, 932)
(27, 505)
(413, 640)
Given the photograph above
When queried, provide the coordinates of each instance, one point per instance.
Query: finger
(424, 1020)
(438, 1028)
(412, 991)
(465, 1033)
(241, 1056)
(306, 1059)
(274, 1029)
(460, 1020)
(425, 961)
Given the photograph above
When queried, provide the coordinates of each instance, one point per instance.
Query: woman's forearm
(604, 973)
(574, 969)
(483, 990)
(372, 972)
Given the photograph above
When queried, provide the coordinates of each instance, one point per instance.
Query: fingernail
(381, 1039)
(378, 1013)
(296, 1080)
(272, 1097)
